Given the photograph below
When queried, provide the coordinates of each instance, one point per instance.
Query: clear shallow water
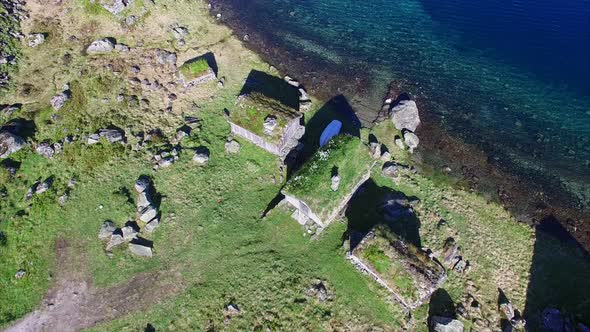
(509, 76)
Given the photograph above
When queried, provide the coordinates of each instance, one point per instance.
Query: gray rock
(152, 225)
(140, 248)
(106, 230)
(335, 183)
(142, 184)
(411, 140)
(36, 39)
(20, 274)
(148, 213)
(10, 143)
(166, 162)
(180, 32)
(444, 324)
(111, 135)
(115, 241)
(375, 148)
(165, 58)
(58, 101)
(93, 139)
(201, 156)
(121, 48)
(270, 124)
(131, 20)
(104, 45)
(386, 156)
(129, 233)
(405, 115)
(390, 170)
(45, 150)
(232, 146)
(8, 110)
(116, 6)
(399, 143)
(143, 200)
(42, 187)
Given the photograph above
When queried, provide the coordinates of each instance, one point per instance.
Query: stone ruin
(409, 273)
(276, 125)
(148, 219)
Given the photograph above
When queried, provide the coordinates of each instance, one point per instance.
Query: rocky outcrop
(405, 115)
(10, 143)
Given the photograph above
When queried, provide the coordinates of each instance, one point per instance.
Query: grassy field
(212, 244)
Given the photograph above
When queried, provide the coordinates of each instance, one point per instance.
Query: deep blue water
(509, 76)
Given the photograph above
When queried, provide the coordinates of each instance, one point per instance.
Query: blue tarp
(331, 130)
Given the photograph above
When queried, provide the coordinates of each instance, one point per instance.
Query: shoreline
(471, 167)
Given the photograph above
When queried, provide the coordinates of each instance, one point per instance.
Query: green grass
(344, 153)
(195, 68)
(254, 108)
(377, 258)
(217, 247)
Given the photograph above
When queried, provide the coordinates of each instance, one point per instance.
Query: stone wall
(257, 140)
(289, 140)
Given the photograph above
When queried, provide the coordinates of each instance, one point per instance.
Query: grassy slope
(217, 246)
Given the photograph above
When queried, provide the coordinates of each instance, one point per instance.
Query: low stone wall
(304, 208)
(257, 140)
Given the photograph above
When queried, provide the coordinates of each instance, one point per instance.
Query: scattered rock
(152, 225)
(43, 186)
(405, 115)
(166, 58)
(444, 324)
(111, 135)
(116, 7)
(106, 230)
(319, 290)
(58, 101)
(390, 169)
(270, 124)
(141, 247)
(45, 150)
(335, 183)
(180, 32)
(201, 155)
(122, 48)
(104, 45)
(375, 148)
(148, 213)
(411, 140)
(10, 143)
(232, 146)
(20, 274)
(131, 20)
(36, 39)
(231, 309)
(115, 241)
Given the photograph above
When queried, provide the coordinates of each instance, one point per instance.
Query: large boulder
(104, 45)
(142, 184)
(141, 247)
(10, 143)
(148, 213)
(444, 324)
(201, 155)
(405, 115)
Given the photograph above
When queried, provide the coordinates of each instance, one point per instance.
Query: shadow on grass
(372, 205)
(441, 304)
(559, 277)
(272, 87)
(336, 108)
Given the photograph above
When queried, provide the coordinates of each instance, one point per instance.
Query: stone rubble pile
(148, 219)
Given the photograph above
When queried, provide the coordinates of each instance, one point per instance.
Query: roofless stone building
(267, 113)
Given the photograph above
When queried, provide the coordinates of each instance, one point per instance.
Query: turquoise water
(509, 76)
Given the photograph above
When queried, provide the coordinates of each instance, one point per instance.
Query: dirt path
(73, 303)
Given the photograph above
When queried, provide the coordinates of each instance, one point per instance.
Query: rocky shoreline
(466, 165)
